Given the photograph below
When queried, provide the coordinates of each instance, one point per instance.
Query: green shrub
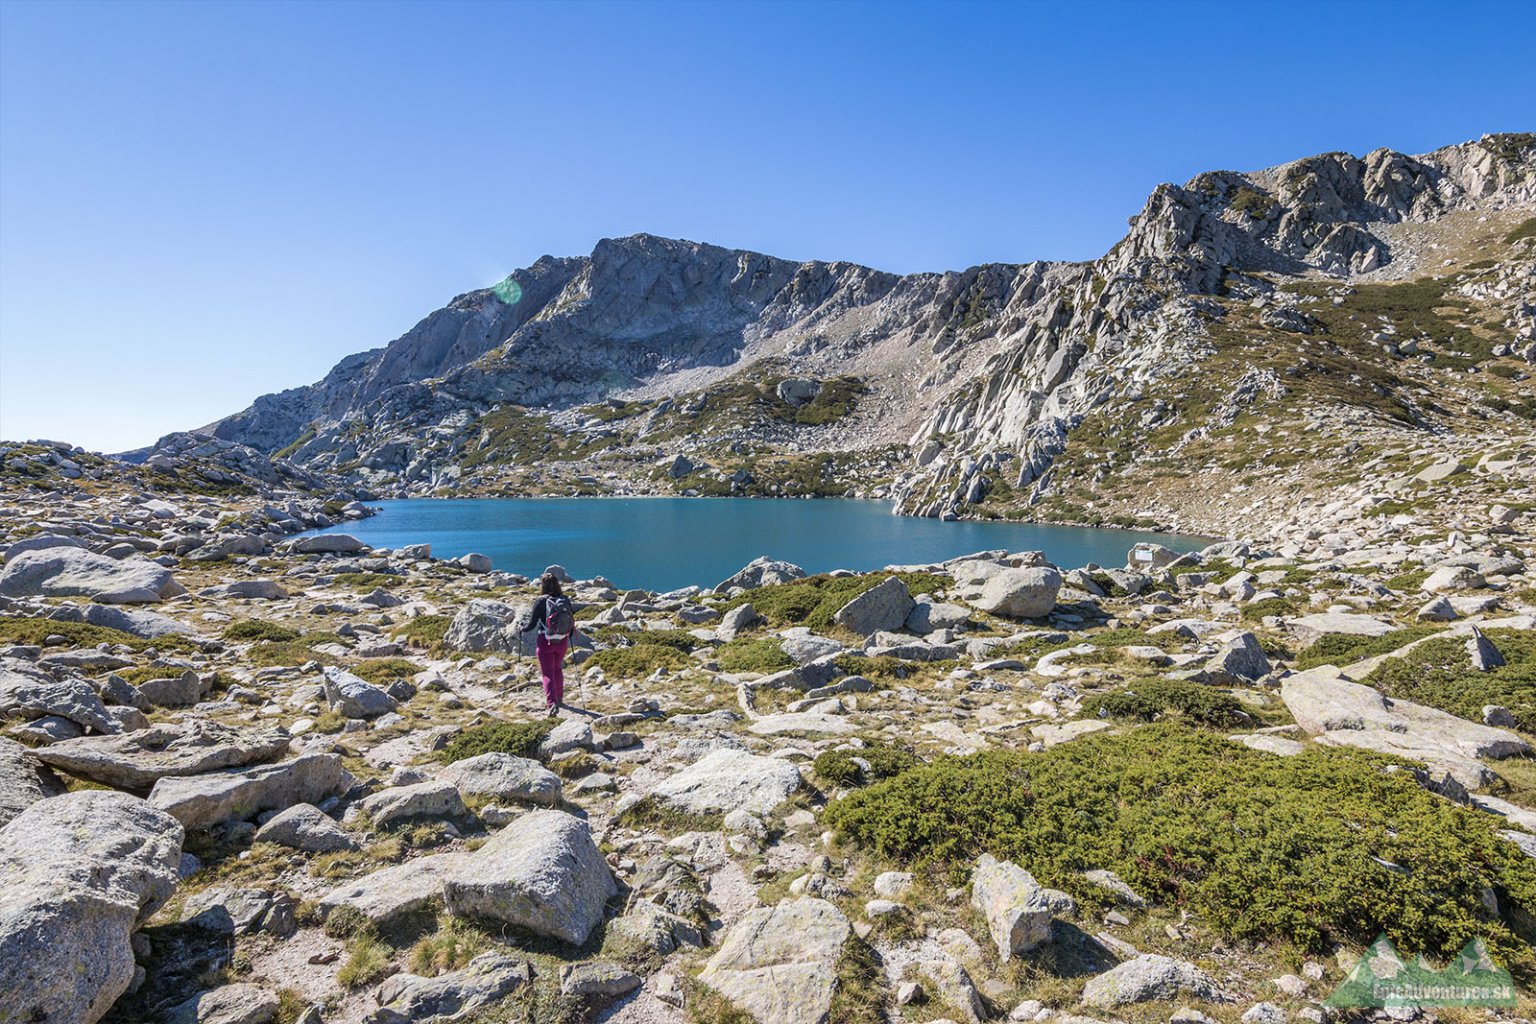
(260, 629)
(838, 767)
(520, 739)
(383, 670)
(1259, 846)
(1346, 649)
(82, 634)
(365, 581)
(1525, 229)
(1156, 698)
(453, 945)
(1254, 203)
(759, 654)
(291, 652)
(1257, 610)
(368, 960)
(1439, 673)
(425, 630)
(640, 660)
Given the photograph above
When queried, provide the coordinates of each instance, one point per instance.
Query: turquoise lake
(667, 543)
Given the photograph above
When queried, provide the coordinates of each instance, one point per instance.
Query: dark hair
(549, 585)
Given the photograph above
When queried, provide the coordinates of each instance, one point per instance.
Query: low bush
(1157, 698)
(640, 659)
(838, 767)
(1326, 845)
(814, 600)
(450, 947)
(260, 629)
(365, 581)
(368, 960)
(759, 654)
(1345, 649)
(520, 739)
(82, 634)
(1439, 673)
(384, 670)
(425, 630)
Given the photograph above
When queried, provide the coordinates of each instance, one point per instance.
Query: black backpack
(559, 618)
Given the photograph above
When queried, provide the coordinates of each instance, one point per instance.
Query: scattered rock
(779, 963)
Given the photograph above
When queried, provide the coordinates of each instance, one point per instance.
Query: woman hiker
(555, 619)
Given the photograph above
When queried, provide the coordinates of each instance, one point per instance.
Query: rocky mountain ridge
(958, 393)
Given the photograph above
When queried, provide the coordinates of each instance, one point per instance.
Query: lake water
(667, 543)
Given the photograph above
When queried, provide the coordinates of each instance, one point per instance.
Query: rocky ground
(250, 777)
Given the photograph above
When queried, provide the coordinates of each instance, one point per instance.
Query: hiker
(555, 619)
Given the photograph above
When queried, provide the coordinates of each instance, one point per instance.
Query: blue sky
(201, 202)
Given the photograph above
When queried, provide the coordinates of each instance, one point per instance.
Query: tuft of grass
(1300, 848)
(1525, 229)
(861, 995)
(814, 600)
(1152, 699)
(368, 961)
(425, 631)
(454, 944)
(649, 814)
(640, 659)
(82, 634)
(365, 581)
(520, 739)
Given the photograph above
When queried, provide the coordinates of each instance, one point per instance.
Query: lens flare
(509, 291)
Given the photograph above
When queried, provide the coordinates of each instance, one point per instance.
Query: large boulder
(24, 780)
(202, 801)
(1018, 909)
(1024, 593)
(1238, 659)
(139, 622)
(327, 544)
(780, 963)
(138, 760)
(884, 606)
(74, 572)
(484, 625)
(254, 590)
(1151, 978)
(728, 780)
(308, 828)
(82, 872)
(543, 873)
(240, 1003)
(395, 891)
(435, 799)
(484, 981)
(761, 572)
(500, 776)
(1344, 713)
(27, 692)
(352, 697)
(179, 691)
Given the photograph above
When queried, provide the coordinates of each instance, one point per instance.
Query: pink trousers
(551, 660)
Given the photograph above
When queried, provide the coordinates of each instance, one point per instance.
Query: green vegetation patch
(1525, 229)
(1254, 203)
(814, 600)
(365, 581)
(425, 630)
(260, 629)
(640, 659)
(1318, 847)
(839, 768)
(385, 670)
(81, 634)
(1345, 649)
(268, 654)
(520, 739)
(757, 654)
(1159, 698)
(1439, 673)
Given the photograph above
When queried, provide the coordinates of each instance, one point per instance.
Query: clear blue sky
(201, 202)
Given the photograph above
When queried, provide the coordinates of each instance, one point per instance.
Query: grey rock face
(352, 697)
(399, 889)
(258, 590)
(543, 872)
(779, 963)
(485, 980)
(484, 625)
(735, 621)
(436, 799)
(597, 979)
(884, 606)
(202, 801)
(501, 776)
(136, 621)
(329, 544)
(178, 692)
(1026, 593)
(138, 760)
(240, 1003)
(1239, 659)
(1018, 910)
(82, 871)
(74, 572)
(1149, 978)
(27, 691)
(761, 572)
(24, 780)
(306, 827)
(728, 780)
(235, 911)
